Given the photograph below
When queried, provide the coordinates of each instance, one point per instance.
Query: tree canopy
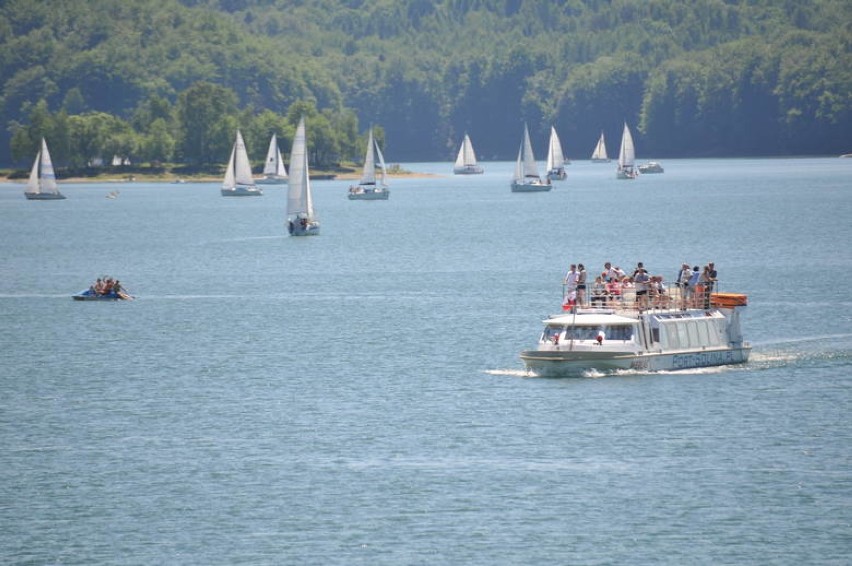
(172, 80)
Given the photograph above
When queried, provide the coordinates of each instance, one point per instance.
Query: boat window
(623, 332)
(581, 332)
(550, 332)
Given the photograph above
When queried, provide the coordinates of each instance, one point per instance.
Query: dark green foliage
(707, 77)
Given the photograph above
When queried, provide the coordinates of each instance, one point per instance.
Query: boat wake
(510, 372)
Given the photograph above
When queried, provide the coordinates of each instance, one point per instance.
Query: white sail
(33, 184)
(299, 195)
(274, 165)
(381, 165)
(229, 182)
(555, 157)
(528, 166)
(626, 156)
(466, 156)
(599, 154)
(242, 167)
(368, 175)
(42, 178)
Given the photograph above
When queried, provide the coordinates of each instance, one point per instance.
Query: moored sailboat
(599, 154)
(274, 172)
(626, 157)
(301, 219)
(238, 181)
(555, 158)
(371, 186)
(466, 159)
(527, 179)
(42, 182)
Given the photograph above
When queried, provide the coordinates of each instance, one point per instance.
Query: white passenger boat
(655, 339)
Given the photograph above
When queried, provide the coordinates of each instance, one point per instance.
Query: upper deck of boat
(627, 308)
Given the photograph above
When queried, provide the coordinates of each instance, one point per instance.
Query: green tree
(203, 112)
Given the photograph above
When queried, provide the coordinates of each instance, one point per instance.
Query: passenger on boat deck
(712, 277)
(641, 280)
(639, 267)
(692, 286)
(658, 291)
(609, 272)
(683, 275)
(613, 289)
(599, 293)
(581, 284)
(706, 284)
(570, 280)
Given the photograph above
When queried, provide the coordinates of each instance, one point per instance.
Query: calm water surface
(357, 398)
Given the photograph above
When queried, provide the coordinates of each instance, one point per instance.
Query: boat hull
(88, 295)
(272, 181)
(242, 192)
(297, 229)
(519, 187)
(468, 170)
(557, 175)
(576, 364)
(44, 196)
(382, 194)
(651, 168)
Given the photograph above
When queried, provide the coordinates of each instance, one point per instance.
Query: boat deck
(627, 304)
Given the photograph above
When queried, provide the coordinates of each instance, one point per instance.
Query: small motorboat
(90, 295)
(104, 289)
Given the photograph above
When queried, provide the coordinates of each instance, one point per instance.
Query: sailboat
(599, 154)
(238, 181)
(371, 187)
(627, 157)
(274, 172)
(526, 178)
(42, 182)
(466, 159)
(301, 220)
(555, 158)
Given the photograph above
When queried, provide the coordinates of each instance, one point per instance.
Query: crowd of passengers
(691, 289)
(106, 286)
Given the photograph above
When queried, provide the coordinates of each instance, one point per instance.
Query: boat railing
(671, 296)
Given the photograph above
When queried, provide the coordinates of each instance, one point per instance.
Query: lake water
(357, 397)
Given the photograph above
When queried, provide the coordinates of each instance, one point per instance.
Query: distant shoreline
(177, 180)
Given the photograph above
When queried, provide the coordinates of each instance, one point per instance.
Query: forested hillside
(169, 80)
